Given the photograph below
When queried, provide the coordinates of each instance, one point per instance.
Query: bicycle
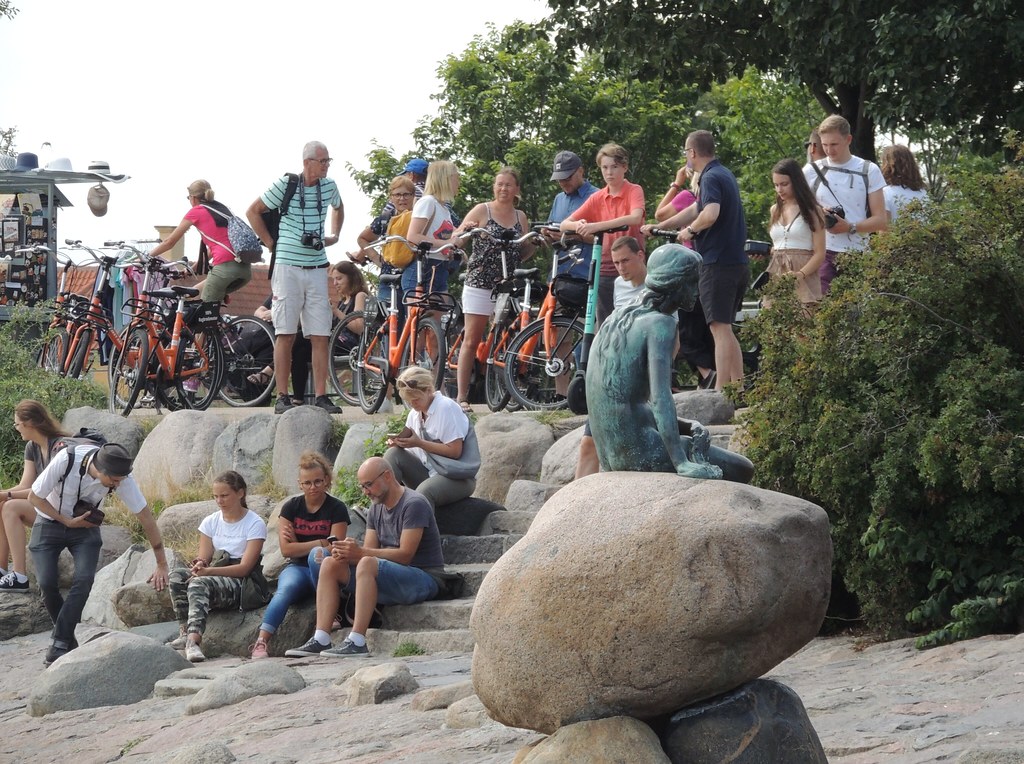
(247, 343)
(542, 358)
(177, 356)
(344, 343)
(511, 314)
(385, 352)
(66, 308)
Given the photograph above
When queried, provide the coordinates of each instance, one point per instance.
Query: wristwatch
(693, 234)
(853, 229)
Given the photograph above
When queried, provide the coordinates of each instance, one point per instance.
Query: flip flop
(259, 378)
(466, 408)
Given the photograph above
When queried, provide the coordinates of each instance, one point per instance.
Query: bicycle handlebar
(474, 232)
(667, 233)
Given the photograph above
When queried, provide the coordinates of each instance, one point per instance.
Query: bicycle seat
(525, 273)
(173, 292)
(390, 278)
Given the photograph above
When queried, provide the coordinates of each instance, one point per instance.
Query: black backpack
(86, 436)
(272, 218)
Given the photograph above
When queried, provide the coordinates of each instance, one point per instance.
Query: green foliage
(346, 484)
(899, 408)
(512, 97)
(20, 378)
(895, 65)
(759, 119)
(406, 649)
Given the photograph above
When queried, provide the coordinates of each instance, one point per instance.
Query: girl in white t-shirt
(905, 183)
(797, 229)
(197, 590)
(432, 223)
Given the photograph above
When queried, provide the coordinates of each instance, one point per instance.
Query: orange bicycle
(385, 351)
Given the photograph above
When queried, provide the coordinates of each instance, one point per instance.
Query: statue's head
(673, 273)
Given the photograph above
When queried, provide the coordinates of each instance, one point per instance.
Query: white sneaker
(179, 642)
(194, 653)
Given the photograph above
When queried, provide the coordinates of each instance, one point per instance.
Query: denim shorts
(403, 584)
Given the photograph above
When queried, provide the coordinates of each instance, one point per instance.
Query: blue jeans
(402, 584)
(435, 276)
(294, 584)
(49, 539)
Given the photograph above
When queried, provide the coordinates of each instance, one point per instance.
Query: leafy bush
(346, 484)
(899, 408)
(20, 378)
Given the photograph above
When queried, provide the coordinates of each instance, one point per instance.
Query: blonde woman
(226, 275)
(432, 223)
(435, 427)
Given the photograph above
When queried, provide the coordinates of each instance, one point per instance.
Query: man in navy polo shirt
(718, 230)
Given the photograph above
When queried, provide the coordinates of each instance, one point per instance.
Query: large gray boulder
(640, 593)
(247, 681)
(177, 452)
(353, 448)
(528, 495)
(303, 428)
(558, 467)
(376, 684)
(246, 446)
(115, 428)
(511, 448)
(22, 614)
(115, 670)
(232, 632)
(705, 406)
(766, 715)
(604, 741)
(132, 569)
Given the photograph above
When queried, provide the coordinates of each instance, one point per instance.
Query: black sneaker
(283, 404)
(348, 649)
(311, 649)
(53, 652)
(323, 402)
(10, 583)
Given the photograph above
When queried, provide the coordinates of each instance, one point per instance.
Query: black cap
(113, 459)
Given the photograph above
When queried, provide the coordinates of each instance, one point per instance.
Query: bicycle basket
(202, 315)
(570, 292)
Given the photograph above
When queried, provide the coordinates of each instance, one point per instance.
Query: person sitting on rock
(235, 535)
(67, 498)
(397, 563)
(305, 524)
(629, 376)
(431, 453)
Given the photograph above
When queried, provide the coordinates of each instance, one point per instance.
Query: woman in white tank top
(797, 230)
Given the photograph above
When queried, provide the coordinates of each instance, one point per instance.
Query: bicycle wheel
(198, 369)
(371, 383)
(127, 372)
(537, 376)
(51, 356)
(495, 393)
(83, 347)
(427, 350)
(248, 344)
(344, 350)
(454, 335)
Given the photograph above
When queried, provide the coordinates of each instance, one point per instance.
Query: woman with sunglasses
(436, 425)
(303, 528)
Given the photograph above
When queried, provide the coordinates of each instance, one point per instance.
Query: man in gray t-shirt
(393, 566)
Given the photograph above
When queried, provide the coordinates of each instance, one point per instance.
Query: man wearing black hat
(67, 497)
(568, 173)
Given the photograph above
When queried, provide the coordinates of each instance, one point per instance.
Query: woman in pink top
(680, 194)
(211, 220)
(619, 203)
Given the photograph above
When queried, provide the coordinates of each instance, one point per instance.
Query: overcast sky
(168, 92)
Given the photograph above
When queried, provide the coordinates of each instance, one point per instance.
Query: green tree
(513, 97)
(889, 65)
(899, 409)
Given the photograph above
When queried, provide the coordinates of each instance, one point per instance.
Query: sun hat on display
(7, 162)
(26, 161)
(60, 164)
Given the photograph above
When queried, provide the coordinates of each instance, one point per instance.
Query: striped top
(301, 217)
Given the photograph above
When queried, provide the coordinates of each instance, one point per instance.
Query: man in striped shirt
(299, 283)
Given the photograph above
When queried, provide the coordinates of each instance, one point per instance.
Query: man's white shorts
(300, 294)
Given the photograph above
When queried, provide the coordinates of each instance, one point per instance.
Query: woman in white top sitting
(197, 590)
(436, 425)
(797, 229)
(905, 184)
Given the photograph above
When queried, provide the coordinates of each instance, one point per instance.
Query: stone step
(474, 574)
(507, 522)
(459, 550)
(440, 615)
(384, 642)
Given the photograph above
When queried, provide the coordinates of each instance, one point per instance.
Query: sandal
(259, 378)
(464, 405)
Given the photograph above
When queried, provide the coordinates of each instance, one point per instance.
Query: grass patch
(185, 544)
(405, 649)
(549, 418)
